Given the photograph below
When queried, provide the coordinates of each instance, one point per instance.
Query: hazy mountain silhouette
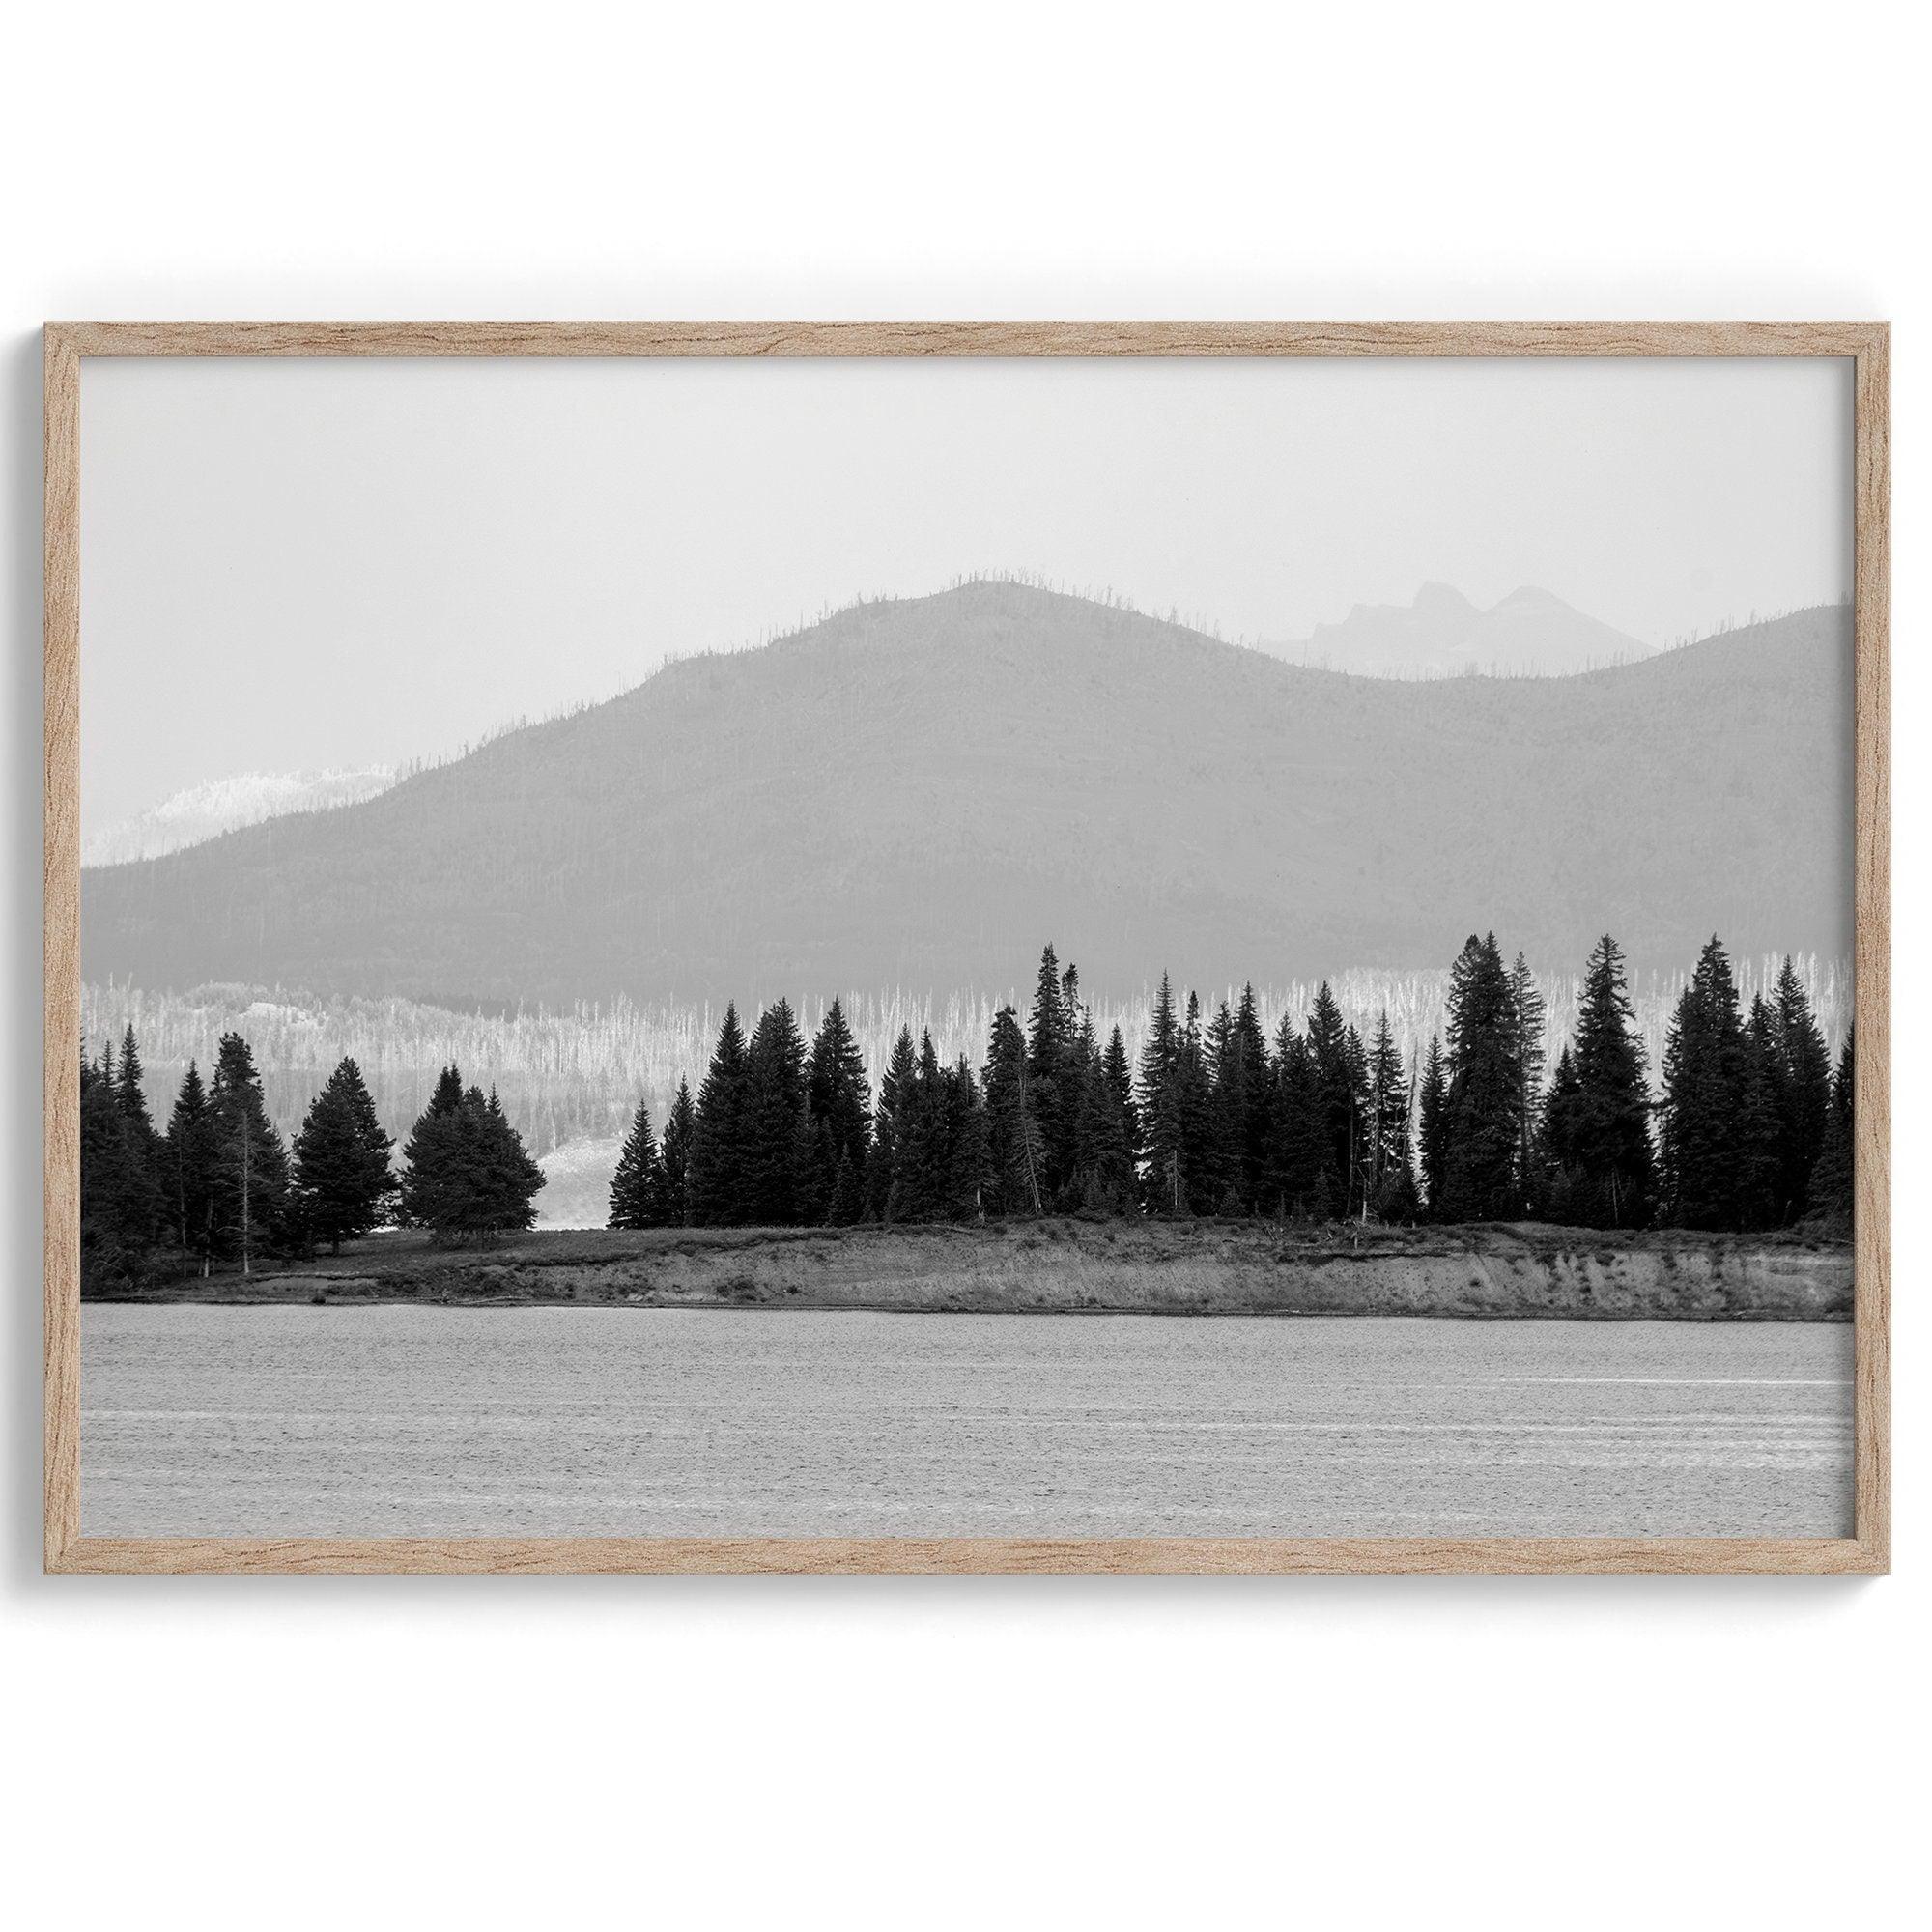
(920, 792)
(1443, 634)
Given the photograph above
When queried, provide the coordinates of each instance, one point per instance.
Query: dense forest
(1219, 1118)
(219, 1187)
(1753, 1130)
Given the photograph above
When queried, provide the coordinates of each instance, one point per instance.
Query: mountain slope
(1443, 634)
(918, 793)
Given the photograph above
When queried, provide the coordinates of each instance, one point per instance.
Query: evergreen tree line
(1752, 1131)
(217, 1187)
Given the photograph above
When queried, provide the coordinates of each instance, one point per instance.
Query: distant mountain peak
(1532, 632)
(1531, 597)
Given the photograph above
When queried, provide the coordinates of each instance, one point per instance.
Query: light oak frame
(1866, 343)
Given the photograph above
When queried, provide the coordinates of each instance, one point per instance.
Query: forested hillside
(909, 792)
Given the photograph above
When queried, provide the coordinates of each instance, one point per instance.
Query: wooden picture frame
(1866, 343)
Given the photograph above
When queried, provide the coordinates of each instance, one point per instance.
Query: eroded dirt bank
(1097, 1266)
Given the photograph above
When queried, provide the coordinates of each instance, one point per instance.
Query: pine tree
(1805, 1093)
(187, 1170)
(1355, 1059)
(1831, 1192)
(1530, 1057)
(342, 1160)
(922, 1137)
(251, 1165)
(1012, 1134)
(892, 1128)
(119, 1202)
(840, 1102)
(128, 1090)
(1482, 1113)
(1761, 1118)
(1391, 1166)
(968, 1163)
(1431, 1125)
(448, 1098)
(1293, 1181)
(716, 1182)
(1707, 1071)
(1163, 1177)
(1195, 1093)
(1053, 1107)
(1557, 1146)
(513, 1179)
(1338, 1064)
(1116, 1176)
(1077, 1053)
(777, 1186)
(144, 1144)
(1220, 1180)
(1252, 1054)
(670, 1205)
(1603, 1143)
(638, 1192)
(467, 1173)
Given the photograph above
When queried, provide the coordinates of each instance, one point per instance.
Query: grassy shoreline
(1519, 1272)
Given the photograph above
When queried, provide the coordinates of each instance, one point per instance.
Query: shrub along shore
(1087, 1266)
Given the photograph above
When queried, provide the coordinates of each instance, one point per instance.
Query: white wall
(221, 1751)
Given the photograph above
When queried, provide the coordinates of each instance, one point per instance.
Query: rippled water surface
(414, 1421)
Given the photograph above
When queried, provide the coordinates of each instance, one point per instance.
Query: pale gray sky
(345, 563)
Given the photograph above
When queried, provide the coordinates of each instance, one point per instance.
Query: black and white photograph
(965, 968)
(967, 948)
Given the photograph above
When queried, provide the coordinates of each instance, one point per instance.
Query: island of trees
(1751, 1129)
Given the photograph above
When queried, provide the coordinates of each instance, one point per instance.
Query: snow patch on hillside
(223, 805)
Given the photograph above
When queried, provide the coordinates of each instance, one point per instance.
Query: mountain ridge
(921, 791)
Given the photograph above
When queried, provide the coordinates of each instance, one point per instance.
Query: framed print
(967, 946)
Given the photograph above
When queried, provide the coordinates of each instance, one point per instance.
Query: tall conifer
(1391, 1166)
(1831, 1192)
(1054, 1109)
(893, 1130)
(1431, 1125)
(1481, 1115)
(1530, 1057)
(717, 1169)
(119, 1202)
(1707, 1072)
(1603, 1143)
(1805, 1093)
(841, 1113)
(776, 1135)
(251, 1171)
(1012, 1134)
(187, 1168)
(342, 1160)
(638, 1194)
(671, 1203)
(1163, 1178)
(1337, 1063)
(1300, 1161)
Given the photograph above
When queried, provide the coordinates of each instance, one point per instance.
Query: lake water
(391, 1421)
